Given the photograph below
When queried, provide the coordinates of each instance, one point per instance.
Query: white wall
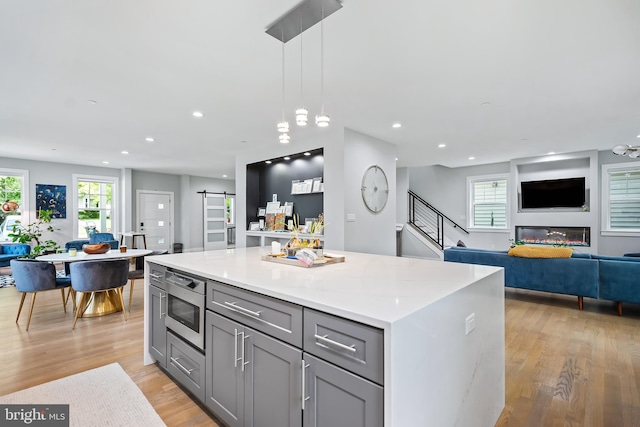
(370, 232)
(56, 174)
(446, 189)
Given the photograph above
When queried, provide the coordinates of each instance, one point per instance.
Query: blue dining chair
(89, 277)
(33, 276)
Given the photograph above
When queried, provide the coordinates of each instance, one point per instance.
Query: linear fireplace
(541, 235)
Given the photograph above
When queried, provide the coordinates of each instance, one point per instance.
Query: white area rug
(104, 396)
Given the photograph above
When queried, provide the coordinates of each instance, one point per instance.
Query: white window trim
(115, 192)
(495, 177)
(605, 228)
(26, 196)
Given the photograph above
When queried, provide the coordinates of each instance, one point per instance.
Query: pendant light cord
(282, 29)
(322, 57)
(301, 97)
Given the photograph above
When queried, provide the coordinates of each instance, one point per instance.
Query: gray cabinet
(186, 365)
(252, 379)
(158, 335)
(335, 397)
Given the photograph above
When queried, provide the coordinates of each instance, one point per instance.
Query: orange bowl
(98, 248)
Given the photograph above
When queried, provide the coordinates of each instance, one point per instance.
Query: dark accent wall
(263, 180)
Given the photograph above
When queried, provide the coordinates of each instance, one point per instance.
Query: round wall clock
(375, 189)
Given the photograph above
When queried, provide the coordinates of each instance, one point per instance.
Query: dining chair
(33, 276)
(138, 273)
(90, 277)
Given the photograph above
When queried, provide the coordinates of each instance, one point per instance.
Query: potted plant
(32, 234)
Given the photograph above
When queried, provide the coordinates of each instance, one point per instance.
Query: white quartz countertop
(373, 289)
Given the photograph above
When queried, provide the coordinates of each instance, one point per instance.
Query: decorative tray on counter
(326, 259)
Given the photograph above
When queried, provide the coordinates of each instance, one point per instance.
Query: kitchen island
(441, 325)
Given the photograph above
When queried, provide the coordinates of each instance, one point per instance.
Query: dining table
(100, 303)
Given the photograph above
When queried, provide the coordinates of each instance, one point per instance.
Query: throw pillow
(525, 251)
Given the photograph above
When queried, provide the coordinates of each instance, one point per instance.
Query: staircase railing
(428, 220)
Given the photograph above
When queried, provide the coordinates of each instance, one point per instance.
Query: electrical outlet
(351, 217)
(470, 323)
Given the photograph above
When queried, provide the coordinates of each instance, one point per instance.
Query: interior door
(215, 221)
(155, 219)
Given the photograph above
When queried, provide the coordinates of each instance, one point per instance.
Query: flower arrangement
(297, 242)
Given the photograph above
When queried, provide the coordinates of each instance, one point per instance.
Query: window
(94, 205)
(13, 187)
(488, 205)
(621, 198)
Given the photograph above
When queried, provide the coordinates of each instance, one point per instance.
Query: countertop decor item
(98, 248)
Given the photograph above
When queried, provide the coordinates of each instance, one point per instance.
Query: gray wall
(187, 203)
(445, 188)
(56, 174)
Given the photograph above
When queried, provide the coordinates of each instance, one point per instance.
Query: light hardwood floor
(564, 367)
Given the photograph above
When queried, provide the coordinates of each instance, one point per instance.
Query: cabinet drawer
(280, 319)
(156, 275)
(186, 365)
(353, 346)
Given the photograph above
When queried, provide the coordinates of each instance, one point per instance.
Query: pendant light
(301, 113)
(283, 126)
(322, 119)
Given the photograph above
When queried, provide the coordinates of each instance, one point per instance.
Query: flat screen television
(553, 193)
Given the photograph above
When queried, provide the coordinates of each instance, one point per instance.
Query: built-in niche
(554, 186)
(278, 177)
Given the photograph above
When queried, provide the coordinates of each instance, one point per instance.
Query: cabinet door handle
(243, 310)
(244, 337)
(161, 306)
(304, 385)
(324, 339)
(235, 348)
(179, 365)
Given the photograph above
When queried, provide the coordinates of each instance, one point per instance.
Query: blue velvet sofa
(619, 279)
(597, 276)
(9, 251)
(577, 275)
(95, 238)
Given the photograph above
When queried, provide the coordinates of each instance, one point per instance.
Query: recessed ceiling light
(149, 139)
(197, 114)
(472, 158)
(268, 162)
(307, 153)
(105, 162)
(638, 136)
(485, 104)
(442, 145)
(224, 176)
(287, 158)
(396, 159)
(396, 125)
(92, 101)
(124, 152)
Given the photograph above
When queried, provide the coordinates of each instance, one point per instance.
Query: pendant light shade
(284, 138)
(322, 120)
(283, 127)
(301, 116)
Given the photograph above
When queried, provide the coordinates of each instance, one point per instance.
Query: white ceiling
(557, 76)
